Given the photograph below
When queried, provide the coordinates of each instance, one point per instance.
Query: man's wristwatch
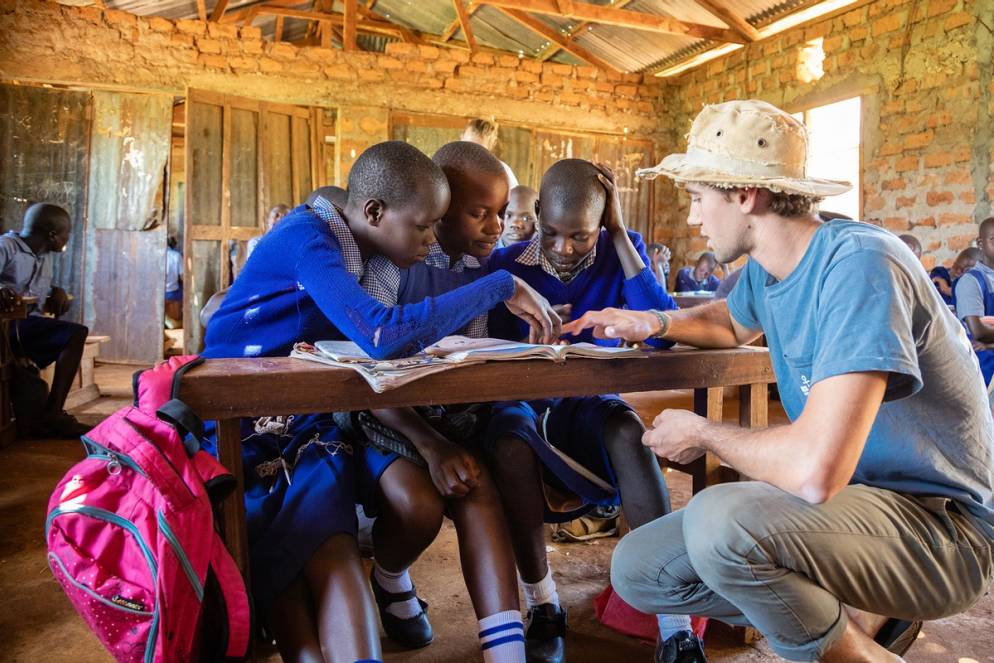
(664, 323)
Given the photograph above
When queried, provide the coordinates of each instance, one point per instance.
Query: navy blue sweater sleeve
(643, 292)
(385, 332)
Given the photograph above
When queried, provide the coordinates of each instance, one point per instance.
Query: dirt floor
(38, 624)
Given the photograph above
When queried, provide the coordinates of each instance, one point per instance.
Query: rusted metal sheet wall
(125, 272)
(44, 134)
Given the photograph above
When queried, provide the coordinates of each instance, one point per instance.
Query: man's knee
(723, 524)
(645, 567)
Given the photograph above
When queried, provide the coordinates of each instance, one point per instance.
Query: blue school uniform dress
(574, 426)
(305, 282)
(975, 297)
(685, 281)
(943, 273)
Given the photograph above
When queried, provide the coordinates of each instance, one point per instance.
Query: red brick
(968, 197)
(222, 30)
(119, 19)
(960, 242)
(958, 20)
(482, 58)
(213, 61)
(905, 164)
(896, 184)
(282, 51)
(209, 46)
(508, 61)
(887, 24)
(951, 219)
(918, 140)
(416, 66)
(937, 160)
(525, 77)
(341, 72)
(371, 75)
(250, 32)
(252, 46)
(159, 24)
(387, 62)
(181, 39)
(854, 18)
(244, 64)
(895, 223)
(399, 48)
(935, 198)
(927, 222)
(962, 154)
(906, 201)
(270, 66)
(625, 90)
(189, 27)
(958, 176)
(304, 68)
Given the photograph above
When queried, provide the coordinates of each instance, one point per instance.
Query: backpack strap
(236, 601)
(156, 393)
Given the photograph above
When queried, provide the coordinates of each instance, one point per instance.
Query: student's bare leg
(410, 515)
(517, 471)
(294, 624)
(343, 604)
(486, 558)
(644, 494)
(66, 367)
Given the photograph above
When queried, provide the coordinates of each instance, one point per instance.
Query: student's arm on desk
(813, 457)
(706, 326)
(980, 329)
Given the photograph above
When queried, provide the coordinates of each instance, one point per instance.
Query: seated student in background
(699, 277)
(303, 284)
(520, 216)
(409, 501)
(659, 257)
(945, 278)
(274, 216)
(174, 284)
(581, 258)
(26, 269)
(912, 243)
(975, 299)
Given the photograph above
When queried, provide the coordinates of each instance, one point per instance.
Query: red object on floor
(613, 612)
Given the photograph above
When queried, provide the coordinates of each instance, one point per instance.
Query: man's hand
(675, 435)
(453, 470)
(58, 302)
(533, 308)
(9, 300)
(564, 311)
(613, 219)
(631, 326)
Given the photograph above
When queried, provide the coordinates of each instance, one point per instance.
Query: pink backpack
(131, 534)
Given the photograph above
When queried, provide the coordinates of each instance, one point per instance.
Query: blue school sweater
(601, 285)
(295, 287)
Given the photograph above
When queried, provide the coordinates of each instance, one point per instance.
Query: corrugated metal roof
(625, 49)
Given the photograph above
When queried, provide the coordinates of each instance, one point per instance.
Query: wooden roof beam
(450, 31)
(577, 31)
(584, 11)
(720, 9)
(405, 34)
(242, 13)
(348, 27)
(467, 29)
(219, 10)
(549, 33)
(201, 10)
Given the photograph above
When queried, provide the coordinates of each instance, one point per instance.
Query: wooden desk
(226, 389)
(688, 300)
(8, 431)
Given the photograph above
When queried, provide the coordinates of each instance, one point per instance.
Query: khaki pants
(751, 554)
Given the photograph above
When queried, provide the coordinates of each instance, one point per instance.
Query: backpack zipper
(184, 561)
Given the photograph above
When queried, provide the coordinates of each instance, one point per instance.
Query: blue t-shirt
(859, 301)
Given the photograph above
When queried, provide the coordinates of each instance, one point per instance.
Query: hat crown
(751, 131)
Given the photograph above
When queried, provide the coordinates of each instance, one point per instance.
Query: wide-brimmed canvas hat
(746, 143)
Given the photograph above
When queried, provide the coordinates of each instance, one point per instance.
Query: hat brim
(677, 168)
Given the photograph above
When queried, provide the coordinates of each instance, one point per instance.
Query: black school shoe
(897, 635)
(684, 647)
(545, 636)
(411, 633)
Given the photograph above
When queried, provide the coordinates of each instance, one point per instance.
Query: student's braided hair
(395, 173)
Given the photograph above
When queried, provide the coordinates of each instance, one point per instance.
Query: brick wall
(48, 42)
(923, 68)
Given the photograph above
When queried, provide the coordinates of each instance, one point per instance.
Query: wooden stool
(84, 388)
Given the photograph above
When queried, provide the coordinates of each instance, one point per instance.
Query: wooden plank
(325, 30)
(300, 154)
(453, 27)
(467, 29)
(277, 164)
(229, 444)
(201, 10)
(288, 386)
(625, 18)
(754, 406)
(226, 166)
(218, 234)
(244, 171)
(554, 37)
(734, 20)
(278, 32)
(219, 9)
(349, 26)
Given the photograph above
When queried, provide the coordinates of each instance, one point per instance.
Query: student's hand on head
(631, 326)
(613, 219)
(544, 323)
(453, 470)
(675, 435)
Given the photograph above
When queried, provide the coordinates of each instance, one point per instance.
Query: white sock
(543, 591)
(502, 638)
(395, 583)
(670, 625)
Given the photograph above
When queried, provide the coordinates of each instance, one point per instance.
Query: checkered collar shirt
(439, 259)
(378, 276)
(532, 255)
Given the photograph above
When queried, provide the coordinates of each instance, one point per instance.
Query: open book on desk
(463, 348)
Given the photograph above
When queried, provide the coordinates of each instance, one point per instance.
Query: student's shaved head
(395, 173)
(333, 194)
(572, 185)
(43, 218)
(987, 226)
(462, 156)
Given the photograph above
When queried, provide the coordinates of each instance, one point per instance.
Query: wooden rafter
(721, 9)
(584, 11)
(370, 26)
(239, 14)
(467, 29)
(201, 10)
(278, 30)
(219, 10)
(453, 27)
(584, 25)
(406, 34)
(549, 33)
(250, 16)
(349, 25)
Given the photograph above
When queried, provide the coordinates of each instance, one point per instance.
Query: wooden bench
(84, 387)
